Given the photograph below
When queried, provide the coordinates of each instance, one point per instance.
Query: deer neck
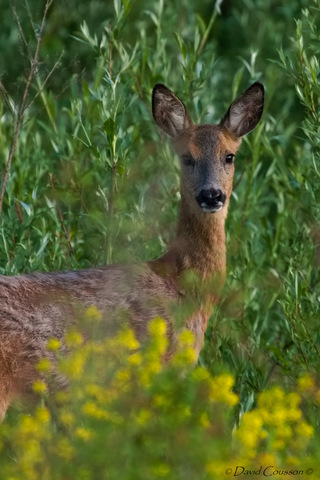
(199, 246)
(200, 242)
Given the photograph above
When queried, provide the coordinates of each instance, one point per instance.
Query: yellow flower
(267, 459)
(92, 410)
(158, 346)
(252, 421)
(39, 386)
(152, 367)
(284, 432)
(63, 397)
(251, 431)
(290, 461)
(278, 444)
(146, 374)
(135, 358)
(73, 366)
(216, 468)
(84, 434)
(53, 344)
(29, 426)
(89, 408)
(293, 400)
(187, 356)
(183, 412)
(268, 399)
(305, 383)
(160, 401)
(293, 414)
(30, 457)
(278, 416)
(304, 429)
(143, 416)
(204, 420)
(65, 449)
(44, 365)
(220, 389)
(186, 338)
(42, 415)
(74, 338)
(93, 313)
(123, 375)
(96, 391)
(200, 374)
(157, 327)
(66, 418)
(126, 338)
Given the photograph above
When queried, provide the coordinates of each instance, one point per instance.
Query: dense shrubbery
(91, 182)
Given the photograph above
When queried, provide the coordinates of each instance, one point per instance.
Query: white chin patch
(208, 209)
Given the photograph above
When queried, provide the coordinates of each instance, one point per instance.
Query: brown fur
(37, 307)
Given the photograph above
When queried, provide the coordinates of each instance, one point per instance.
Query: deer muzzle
(211, 200)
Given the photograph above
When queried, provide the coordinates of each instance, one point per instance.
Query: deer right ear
(245, 112)
(168, 111)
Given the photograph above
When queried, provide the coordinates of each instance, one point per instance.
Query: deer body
(37, 307)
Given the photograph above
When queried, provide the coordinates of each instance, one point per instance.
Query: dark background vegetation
(92, 180)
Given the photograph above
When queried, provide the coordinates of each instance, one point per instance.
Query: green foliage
(92, 181)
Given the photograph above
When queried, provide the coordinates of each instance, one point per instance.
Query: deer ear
(245, 112)
(168, 111)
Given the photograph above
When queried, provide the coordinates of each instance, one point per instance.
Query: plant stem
(34, 65)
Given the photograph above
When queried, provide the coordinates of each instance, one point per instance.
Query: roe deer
(37, 307)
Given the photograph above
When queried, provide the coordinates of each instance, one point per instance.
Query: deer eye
(229, 158)
(188, 160)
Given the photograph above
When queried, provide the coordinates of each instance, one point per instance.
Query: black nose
(211, 198)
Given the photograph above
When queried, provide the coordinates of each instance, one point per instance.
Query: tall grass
(92, 182)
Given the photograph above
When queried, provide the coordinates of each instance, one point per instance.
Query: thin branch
(22, 109)
(21, 32)
(41, 88)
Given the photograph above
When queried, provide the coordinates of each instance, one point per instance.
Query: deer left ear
(245, 112)
(168, 111)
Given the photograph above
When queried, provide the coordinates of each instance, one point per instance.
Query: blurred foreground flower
(127, 410)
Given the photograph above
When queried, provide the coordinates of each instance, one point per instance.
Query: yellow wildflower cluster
(44, 365)
(186, 354)
(275, 426)
(73, 339)
(306, 383)
(32, 433)
(221, 389)
(93, 314)
(124, 403)
(53, 344)
(309, 388)
(39, 386)
(152, 362)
